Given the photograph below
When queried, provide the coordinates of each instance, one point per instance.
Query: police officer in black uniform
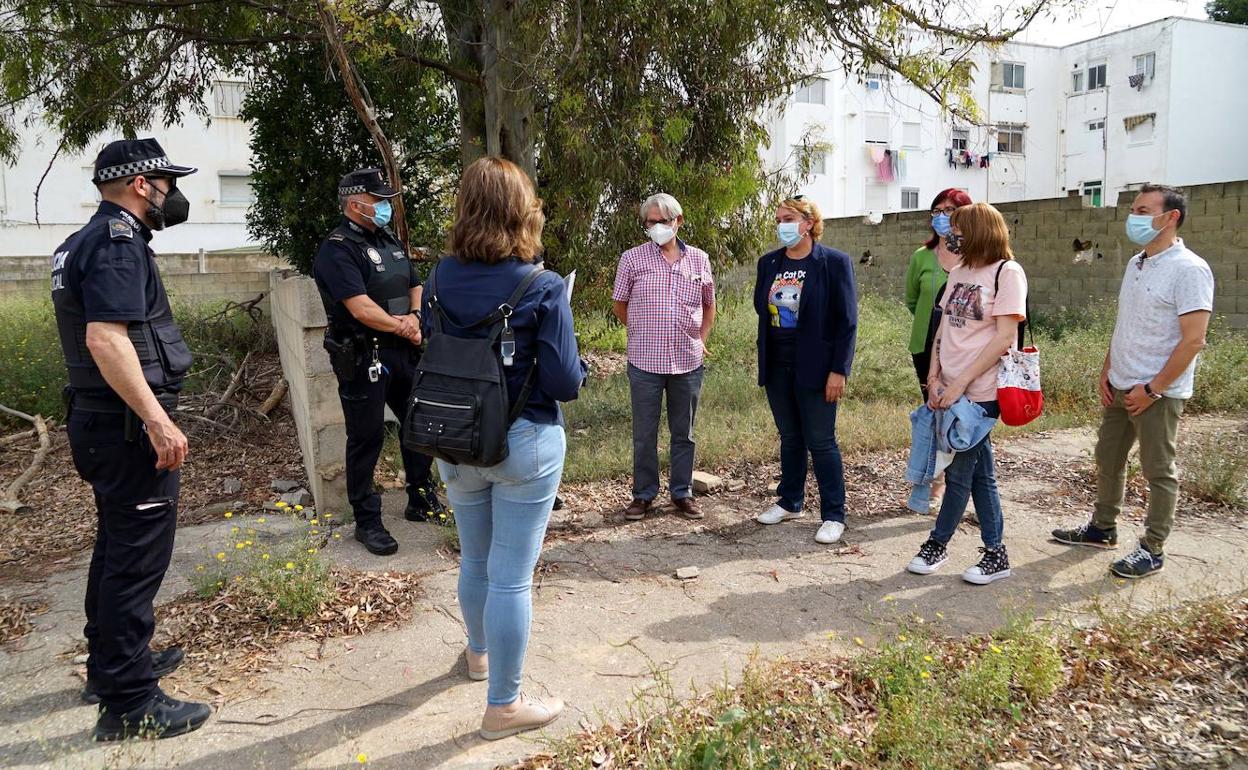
(371, 292)
(126, 360)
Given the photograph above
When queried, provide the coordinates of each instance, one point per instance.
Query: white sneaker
(775, 514)
(830, 532)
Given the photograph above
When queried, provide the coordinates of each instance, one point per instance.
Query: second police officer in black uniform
(126, 360)
(371, 292)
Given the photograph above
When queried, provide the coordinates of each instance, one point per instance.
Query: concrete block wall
(299, 321)
(226, 275)
(1042, 233)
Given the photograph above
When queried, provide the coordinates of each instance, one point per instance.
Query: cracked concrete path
(608, 615)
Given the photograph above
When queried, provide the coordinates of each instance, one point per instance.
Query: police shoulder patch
(336, 237)
(120, 230)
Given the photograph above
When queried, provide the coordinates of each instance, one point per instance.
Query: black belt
(106, 405)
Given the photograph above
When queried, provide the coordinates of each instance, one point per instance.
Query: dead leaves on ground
(230, 638)
(15, 618)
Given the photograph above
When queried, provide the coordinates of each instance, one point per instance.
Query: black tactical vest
(389, 275)
(162, 352)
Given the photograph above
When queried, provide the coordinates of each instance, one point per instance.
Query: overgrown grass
(287, 573)
(926, 702)
(1215, 468)
(34, 368)
(918, 703)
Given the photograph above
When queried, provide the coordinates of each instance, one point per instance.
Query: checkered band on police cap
(129, 169)
(352, 190)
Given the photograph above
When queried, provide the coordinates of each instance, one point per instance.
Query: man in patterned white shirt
(665, 296)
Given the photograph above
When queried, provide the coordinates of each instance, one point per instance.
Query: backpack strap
(1024, 326)
(434, 305)
(504, 310)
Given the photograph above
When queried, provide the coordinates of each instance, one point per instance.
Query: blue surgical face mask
(940, 223)
(1140, 228)
(381, 213)
(789, 232)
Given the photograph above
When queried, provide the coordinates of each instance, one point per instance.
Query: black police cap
(131, 157)
(366, 180)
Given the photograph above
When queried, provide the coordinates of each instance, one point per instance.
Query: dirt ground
(609, 617)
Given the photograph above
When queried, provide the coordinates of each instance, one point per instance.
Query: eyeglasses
(652, 222)
(945, 210)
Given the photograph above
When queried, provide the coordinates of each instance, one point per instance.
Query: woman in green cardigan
(929, 266)
(925, 280)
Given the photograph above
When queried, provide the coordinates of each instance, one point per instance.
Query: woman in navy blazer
(807, 309)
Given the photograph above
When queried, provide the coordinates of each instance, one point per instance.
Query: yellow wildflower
(940, 615)
(233, 530)
(314, 522)
(901, 637)
(927, 658)
(281, 504)
(858, 641)
(260, 520)
(264, 556)
(199, 568)
(925, 675)
(220, 555)
(311, 550)
(290, 565)
(229, 514)
(298, 507)
(361, 758)
(239, 546)
(337, 536)
(994, 648)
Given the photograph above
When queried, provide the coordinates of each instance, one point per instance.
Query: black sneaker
(376, 539)
(1139, 563)
(164, 663)
(993, 565)
(1086, 534)
(426, 507)
(931, 555)
(160, 717)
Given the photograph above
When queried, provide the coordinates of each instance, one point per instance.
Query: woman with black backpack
(489, 287)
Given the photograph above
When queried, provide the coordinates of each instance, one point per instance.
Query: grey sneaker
(1139, 563)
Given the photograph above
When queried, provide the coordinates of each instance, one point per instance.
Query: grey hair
(669, 206)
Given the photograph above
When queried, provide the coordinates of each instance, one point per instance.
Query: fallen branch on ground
(11, 502)
(275, 397)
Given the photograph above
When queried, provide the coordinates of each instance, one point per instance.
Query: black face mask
(954, 243)
(173, 210)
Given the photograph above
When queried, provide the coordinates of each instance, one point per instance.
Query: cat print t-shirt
(783, 304)
(971, 307)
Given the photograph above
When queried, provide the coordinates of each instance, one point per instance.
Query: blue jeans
(807, 423)
(972, 474)
(501, 513)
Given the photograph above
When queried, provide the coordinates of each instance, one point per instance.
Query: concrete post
(299, 321)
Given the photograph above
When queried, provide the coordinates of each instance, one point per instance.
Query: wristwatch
(1151, 394)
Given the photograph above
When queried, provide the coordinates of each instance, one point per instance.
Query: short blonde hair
(666, 204)
(985, 236)
(497, 214)
(809, 212)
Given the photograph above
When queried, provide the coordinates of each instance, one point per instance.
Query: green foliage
(645, 109)
(306, 136)
(1230, 11)
(34, 368)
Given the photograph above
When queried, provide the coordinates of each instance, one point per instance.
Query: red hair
(953, 195)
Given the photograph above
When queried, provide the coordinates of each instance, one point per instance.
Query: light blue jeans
(501, 513)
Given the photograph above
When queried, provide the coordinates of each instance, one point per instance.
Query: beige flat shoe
(478, 665)
(531, 714)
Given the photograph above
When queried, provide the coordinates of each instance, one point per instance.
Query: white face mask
(661, 233)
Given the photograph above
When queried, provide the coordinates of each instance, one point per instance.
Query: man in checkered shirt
(665, 296)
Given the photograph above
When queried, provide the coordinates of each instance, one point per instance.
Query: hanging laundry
(884, 169)
(949, 157)
(966, 159)
(901, 165)
(892, 158)
(877, 153)
(983, 162)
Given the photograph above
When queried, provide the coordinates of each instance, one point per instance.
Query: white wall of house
(1072, 139)
(219, 194)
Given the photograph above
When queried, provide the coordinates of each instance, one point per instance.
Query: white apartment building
(1159, 102)
(220, 193)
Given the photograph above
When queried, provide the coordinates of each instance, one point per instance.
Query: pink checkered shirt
(664, 307)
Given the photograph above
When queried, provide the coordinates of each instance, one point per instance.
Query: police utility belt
(348, 349)
(82, 402)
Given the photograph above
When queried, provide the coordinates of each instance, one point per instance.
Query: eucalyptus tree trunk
(495, 112)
